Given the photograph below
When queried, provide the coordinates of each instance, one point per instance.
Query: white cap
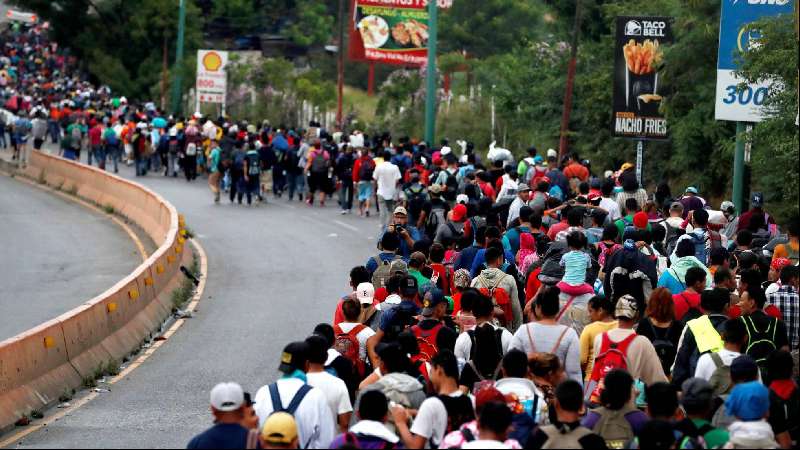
(462, 198)
(227, 397)
(446, 151)
(365, 293)
(393, 299)
(173, 132)
(552, 153)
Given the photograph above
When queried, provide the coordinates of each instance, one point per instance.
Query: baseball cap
(744, 367)
(626, 307)
(538, 160)
(393, 299)
(488, 395)
(552, 153)
(640, 220)
(691, 190)
(398, 267)
(433, 298)
(409, 286)
(523, 187)
(748, 401)
(625, 167)
(227, 397)
(727, 206)
(676, 207)
(365, 293)
(435, 189)
(697, 392)
(462, 199)
(758, 200)
(459, 213)
(280, 428)
(294, 357)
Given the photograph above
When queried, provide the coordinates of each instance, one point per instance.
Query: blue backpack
(699, 247)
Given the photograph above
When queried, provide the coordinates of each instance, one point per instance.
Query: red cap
(459, 213)
(488, 395)
(640, 220)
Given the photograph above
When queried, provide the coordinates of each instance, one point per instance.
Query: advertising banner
(733, 103)
(391, 31)
(639, 55)
(212, 80)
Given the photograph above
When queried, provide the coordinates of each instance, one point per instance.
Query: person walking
(214, 169)
(387, 176)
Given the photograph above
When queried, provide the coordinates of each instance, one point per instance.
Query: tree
(314, 23)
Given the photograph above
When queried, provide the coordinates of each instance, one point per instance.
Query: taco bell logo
(633, 28)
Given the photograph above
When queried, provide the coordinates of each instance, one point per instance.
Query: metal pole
(177, 85)
(639, 161)
(340, 68)
(738, 167)
(430, 101)
(493, 114)
(564, 141)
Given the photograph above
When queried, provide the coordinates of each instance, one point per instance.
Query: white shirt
(335, 391)
(315, 423)
(706, 367)
(387, 175)
(484, 444)
(513, 210)
(610, 205)
(464, 343)
(362, 337)
(431, 420)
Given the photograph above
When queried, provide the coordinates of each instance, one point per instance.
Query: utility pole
(177, 87)
(430, 101)
(340, 68)
(564, 141)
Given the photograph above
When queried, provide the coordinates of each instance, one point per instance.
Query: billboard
(391, 31)
(212, 80)
(639, 55)
(734, 104)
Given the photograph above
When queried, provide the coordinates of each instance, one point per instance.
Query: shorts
(364, 190)
(317, 181)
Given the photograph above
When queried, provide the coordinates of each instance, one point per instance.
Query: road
(56, 255)
(275, 271)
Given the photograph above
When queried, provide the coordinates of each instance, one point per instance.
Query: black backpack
(416, 201)
(402, 321)
(451, 187)
(366, 170)
(459, 411)
(760, 343)
(665, 349)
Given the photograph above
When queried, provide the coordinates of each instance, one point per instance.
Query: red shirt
(771, 310)
(684, 302)
(441, 271)
(95, 135)
(557, 228)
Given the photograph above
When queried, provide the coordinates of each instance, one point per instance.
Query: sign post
(640, 43)
(735, 103)
(432, 78)
(212, 78)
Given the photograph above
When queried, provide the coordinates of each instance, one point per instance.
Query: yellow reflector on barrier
(178, 248)
(183, 233)
(49, 342)
(133, 294)
(148, 281)
(181, 240)
(159, 269)
(111, 307)
(170, 259)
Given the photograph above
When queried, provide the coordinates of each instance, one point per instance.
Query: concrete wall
(38, 366)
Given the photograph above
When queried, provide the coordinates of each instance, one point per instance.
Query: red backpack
(612, 355)
(426, 341)
(501, 298)
(347, 344)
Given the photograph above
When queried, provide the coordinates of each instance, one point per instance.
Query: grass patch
(109, 209)
(66, 396)
(112, 368)
(186, 291)
(89, 382)
(59, 186)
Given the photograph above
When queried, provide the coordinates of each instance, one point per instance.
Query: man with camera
(408, 234)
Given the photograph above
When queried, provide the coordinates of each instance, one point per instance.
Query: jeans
(278, 181)
(346, 195)
(141, 167)
(295, 184)
(155, 162)
(172, 159)
(190, 167)
(99, 155)
(115, 153)
(3, 141)
(89, 155)
(53, 131)
(387, 208)
(237, 185)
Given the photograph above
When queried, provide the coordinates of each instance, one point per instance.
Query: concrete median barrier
(40, 365)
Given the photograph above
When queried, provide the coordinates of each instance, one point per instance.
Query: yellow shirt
(587, 342)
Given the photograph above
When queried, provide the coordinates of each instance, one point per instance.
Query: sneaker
(344, 212)
(367, 213)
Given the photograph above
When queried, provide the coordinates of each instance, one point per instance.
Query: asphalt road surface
(56, 255)
(275, 271)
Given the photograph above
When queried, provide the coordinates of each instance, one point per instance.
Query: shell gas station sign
(212, 78)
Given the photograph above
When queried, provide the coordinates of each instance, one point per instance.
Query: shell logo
(212, 61)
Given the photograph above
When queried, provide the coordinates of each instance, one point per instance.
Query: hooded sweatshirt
(493, 278)
(400, 388)
(674, 278)
(757, 434)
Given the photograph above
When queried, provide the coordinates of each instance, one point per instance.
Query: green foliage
(314, 24)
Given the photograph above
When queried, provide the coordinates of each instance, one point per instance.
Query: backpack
(692, 437)
(557, 439)
(403, 320)
(277, 404)
(760, 343)
(499, 296)
(173, 147)
(438, 216)
(253, 163)
(416, 200)
(426, 341)
(671, 238)
(459, 411)
(614, 428)
(112, 139)
(612, 355)
(498, 336)
(353, 440)
(347, 344)
(720, 379)
(76, 136)
(451, 187)
(384, 271)
(665, 349)
(320, 163)
(367, 170)
(535, 354)
(634, 283)
(699, 247)
(628, 226)
(238, 160)
(191, 149)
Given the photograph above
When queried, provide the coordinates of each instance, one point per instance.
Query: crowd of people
(510, 304)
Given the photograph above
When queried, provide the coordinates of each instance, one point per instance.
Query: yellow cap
(625, 167)
(280, 428)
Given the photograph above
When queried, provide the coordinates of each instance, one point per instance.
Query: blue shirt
(223, 436)
(480, 260)
(466, 258)
(388, 317)
(404, 251)
(511, 239)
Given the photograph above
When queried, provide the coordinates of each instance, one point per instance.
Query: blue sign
(736, 16)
